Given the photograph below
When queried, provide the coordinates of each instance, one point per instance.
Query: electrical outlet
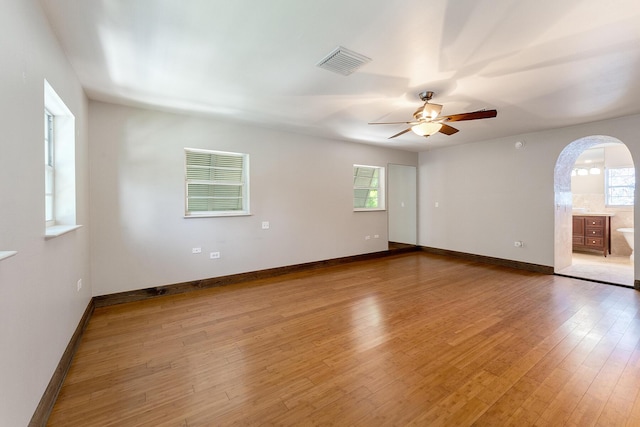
(214, 255)
(79, 284)
(196, 250)
(367, 237)
(265, 225)
(376, 236)
(518, 244)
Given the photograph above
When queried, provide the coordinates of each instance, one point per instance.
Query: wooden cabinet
(592, 233)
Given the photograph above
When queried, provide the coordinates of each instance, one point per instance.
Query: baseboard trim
(536, 268)
(48, 400)
(179, 288)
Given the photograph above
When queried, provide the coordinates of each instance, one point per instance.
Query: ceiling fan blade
(448, 130)
(482, 114)
(400, 133)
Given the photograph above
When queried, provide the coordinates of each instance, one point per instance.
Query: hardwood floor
(413, 339)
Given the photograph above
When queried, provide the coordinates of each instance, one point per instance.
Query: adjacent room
(319, 213)
(602, 187)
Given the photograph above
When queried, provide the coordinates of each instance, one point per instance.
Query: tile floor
(612, 269)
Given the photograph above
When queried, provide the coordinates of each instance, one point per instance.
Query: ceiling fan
(427, 119)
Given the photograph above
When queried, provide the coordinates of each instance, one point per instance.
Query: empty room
(287, 212)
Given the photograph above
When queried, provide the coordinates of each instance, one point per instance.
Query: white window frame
(242, 183)
(49, 169)
(379, 188)
(64, 166)
(611, 202)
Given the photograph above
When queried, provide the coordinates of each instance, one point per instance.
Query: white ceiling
(541, 63)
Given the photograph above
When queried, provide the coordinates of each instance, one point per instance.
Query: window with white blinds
(217, 183)
(49, 171)
(368, 188)
(59, 165)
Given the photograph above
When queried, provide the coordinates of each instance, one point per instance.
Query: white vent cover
(343, 61)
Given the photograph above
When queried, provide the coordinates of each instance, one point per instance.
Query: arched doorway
(564, 211)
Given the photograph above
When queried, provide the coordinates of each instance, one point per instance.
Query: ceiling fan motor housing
(426, 95)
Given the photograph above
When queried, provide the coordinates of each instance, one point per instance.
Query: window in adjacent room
(620, 186)
(217, 183)
(59, 165)
(368, 188)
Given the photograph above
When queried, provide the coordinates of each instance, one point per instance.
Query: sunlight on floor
(611, 269)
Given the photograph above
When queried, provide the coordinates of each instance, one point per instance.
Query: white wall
(617, 156)
(39, 305)
(302, 185)
(491, 194)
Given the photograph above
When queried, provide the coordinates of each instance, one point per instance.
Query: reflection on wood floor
(410, 339)
(611, 269)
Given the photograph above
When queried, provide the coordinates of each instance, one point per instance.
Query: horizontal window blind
(49, 173)
(367, 190)
(216, 182)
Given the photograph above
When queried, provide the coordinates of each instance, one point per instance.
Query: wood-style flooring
(413, 339)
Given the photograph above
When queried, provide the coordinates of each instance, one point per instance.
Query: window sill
(59, 230)
(7, 254)
(221, 215)
(369, 210)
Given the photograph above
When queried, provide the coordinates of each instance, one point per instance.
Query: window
(60, 165)
(217, 183)
(49, 171)
(620, 186)
(368, 188)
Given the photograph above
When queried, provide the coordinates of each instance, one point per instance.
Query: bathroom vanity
(592, 232)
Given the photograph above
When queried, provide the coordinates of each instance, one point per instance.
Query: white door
(402, 204)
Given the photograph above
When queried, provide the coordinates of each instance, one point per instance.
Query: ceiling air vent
(343, 61)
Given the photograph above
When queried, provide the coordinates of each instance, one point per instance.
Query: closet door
(402, 204)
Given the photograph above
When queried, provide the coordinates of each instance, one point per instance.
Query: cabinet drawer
(594, 222)
(596, 242)
(594, 232)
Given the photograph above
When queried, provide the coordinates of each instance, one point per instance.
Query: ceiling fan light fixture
(426, 129)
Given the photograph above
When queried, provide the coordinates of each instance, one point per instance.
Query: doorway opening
(594, 184)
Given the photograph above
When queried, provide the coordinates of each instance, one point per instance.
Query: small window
(49, 170)
(368, 188)
(59, 165)
(217, 183)
(620, 184)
